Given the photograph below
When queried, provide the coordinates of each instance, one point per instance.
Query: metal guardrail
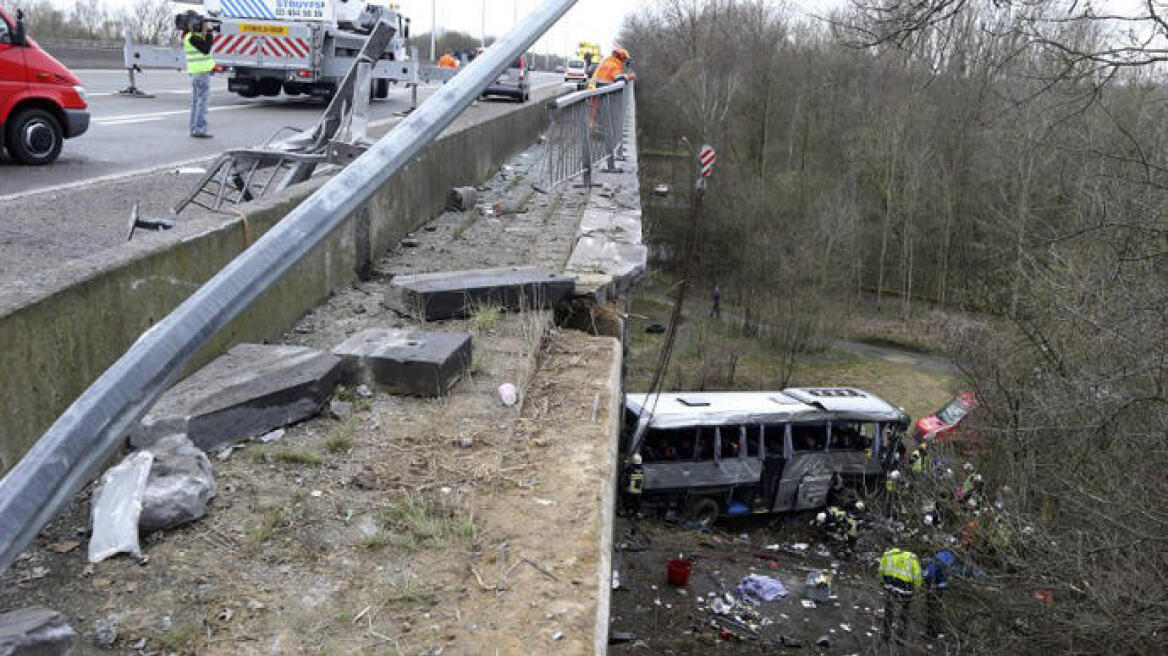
(586, 129)
(93, 428)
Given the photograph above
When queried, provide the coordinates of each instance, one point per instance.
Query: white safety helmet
(860, 506)
(949, 472)
(972, 503)
(929, 520)
(895, 475)
(977, 478)
(968, 466)
(636, 458)
(821, 518)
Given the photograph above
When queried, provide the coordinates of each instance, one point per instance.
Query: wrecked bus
(707, 454)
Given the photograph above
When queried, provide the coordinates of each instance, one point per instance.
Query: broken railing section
(93, 428)
(456, 294)
(586, 130)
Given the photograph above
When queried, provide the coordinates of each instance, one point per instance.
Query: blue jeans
(200, 98)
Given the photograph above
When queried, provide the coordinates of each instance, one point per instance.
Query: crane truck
(304, 47)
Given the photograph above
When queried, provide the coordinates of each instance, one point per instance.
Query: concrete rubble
(36, 631)
(414, 362)
(117, 505)
(181, 483)
(456, 294)
(462, 199)
(252, 389)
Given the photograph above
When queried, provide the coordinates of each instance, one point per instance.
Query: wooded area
(1002, 159)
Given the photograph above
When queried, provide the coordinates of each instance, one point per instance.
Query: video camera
(191, 21)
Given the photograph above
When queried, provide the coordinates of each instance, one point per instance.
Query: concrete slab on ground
(417, 362)
(450, 294)
(249, 391)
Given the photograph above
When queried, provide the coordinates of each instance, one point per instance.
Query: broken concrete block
(418, 362)
(450, 294)
(462, 199)
(625, 263)
(36, 631)
(252, 389)
(181, 483)
(117, 504)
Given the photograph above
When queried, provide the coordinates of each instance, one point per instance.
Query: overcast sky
(598, 21)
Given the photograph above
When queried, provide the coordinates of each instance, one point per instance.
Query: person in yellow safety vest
(918, 458)
(634, 484)
(197, 48)
(447, 61)
(839, 526)
(901, 573)
(611, 68)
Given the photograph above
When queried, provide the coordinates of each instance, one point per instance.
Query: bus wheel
(703, 512)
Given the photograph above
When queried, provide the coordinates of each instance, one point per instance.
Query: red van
(41, 102)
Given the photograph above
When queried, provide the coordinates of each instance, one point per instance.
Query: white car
(576, 73)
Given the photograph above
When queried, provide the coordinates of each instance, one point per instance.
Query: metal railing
(586, 129)
(93, 428)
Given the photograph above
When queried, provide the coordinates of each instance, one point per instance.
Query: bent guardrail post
(93, 427)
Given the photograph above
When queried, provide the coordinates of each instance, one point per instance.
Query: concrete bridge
(445, 520)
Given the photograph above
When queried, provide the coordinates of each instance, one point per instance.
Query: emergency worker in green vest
(901, 573)
(197, 41)
(634, 485)
(918, 458)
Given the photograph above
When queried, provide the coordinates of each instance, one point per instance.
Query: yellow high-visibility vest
(197, 62)
(902, 566)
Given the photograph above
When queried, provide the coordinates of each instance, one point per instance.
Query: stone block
(418, 362)
(452, 294)
(250, 390)
(181, 483)
(36, 631)
(462, 199)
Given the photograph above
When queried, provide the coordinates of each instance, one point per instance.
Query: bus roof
(681, 409)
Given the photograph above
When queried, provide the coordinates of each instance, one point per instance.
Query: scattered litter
(616, 581)
(316, 493)
(545, 502)
(445, 489)
(465, 441)
(66, 546)
(105, 632)
(363, 390)
(1045, 595)
(273, 436)
(558, 635)
(410, 242)
(807, 603)
(823, 641)
(818, 586)
(508, 394)
(759, 587)
(180, 485)
(846, 627)
(190, 170)
(117, 503)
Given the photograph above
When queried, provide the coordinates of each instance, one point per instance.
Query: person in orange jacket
(610, 69)
(447, 61)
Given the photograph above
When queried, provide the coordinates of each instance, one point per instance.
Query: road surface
(131, 136)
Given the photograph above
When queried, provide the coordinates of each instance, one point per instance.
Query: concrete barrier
(54, 346)
(78, 54)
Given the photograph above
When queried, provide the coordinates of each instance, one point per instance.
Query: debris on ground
(36, 630)
(180, 484)
(508, 394)
(117, 505)
(761, 588)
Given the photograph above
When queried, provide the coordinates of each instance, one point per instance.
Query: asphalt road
(134, 136)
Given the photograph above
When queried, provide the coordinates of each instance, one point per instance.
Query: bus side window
(668, 445)
(731, 441)
(773, 435)
(753, 441)
(704, 449)
(809, 437)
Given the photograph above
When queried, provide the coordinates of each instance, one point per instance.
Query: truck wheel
(34, 136)
(703, 511)
(380, 89)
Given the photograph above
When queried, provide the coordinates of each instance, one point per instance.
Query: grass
(717, 355)
(179, 637)
(265, 527)
(485, 317)
(420, 521)
(291, 456)
(340, 438)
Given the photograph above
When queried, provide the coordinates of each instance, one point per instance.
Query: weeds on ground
(296, 456)
(179, 637)
(340, 438)
(485, 317)
(421, 521)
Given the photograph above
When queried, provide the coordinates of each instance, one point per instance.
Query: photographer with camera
(197, 40)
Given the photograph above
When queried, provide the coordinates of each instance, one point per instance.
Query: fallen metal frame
(93, 428)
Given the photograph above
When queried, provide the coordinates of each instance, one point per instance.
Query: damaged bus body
(714, 453)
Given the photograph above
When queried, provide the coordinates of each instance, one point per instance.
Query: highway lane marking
(105, 120)
(113, 177)
(118, 93)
